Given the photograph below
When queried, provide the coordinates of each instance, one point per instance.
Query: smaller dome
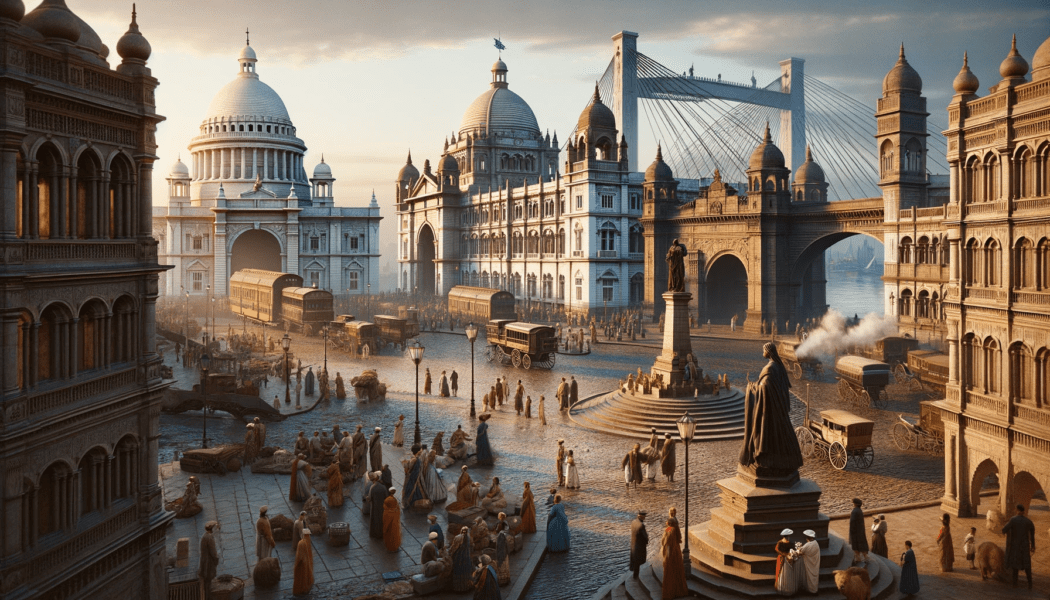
(1013, 65)
(902, 77)
(966, 82)
(12, 9)
(448, 163)
(597, 115)
(179, 170)
(322, 170)
(766, 155)
(1041, 61)
(132, 46)
(499, 65)
(408, 172)
(659, 170)
(809, 171)
(247, 53)
(53, 19)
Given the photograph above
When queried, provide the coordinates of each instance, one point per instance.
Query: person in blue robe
(435, 528)
(413, 489)
(909, 572)
(462, 569)
(486, 585)
(484, 449)
(557, 527)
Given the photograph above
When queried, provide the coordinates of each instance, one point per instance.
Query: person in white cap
(786, 581)
(264, 542)
(375, 451)
(430, 550)
(810, 553)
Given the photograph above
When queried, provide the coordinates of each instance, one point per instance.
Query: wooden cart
(395, 331)
(521, 344)
(811, 368)
(927, 434)
(841, 436)
(862, 380)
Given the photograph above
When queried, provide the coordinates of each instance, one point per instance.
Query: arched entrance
(726, 286)
(425, 252)
(843, 271)
(255, 249)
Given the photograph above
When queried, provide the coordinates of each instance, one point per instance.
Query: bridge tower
(901, 115)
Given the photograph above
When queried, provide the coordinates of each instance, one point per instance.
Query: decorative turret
(810, 184)
(448, 170)
(767, 176)
(901, 138)
(53, 20)
(966, 83)
(596, 130)
(1014, 67)
(132, 46)
(902, 78)
(406, 179)
(323, 183)
(660, 186)
(13, 10)
(1041, 62)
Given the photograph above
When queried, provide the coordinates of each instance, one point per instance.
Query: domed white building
(245, 201)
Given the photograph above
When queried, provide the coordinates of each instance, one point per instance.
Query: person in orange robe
(392, 522)
(304, 566)
(293, 495)
(335, 485)
(674, 585)
(528, 510)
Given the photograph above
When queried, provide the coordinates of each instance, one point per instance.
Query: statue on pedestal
(770, 446)
(676, 267)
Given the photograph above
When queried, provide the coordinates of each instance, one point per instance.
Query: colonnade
(57, 203)
(248, 164)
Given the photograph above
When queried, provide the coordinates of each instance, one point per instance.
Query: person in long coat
(432, 482)
(399, 432)
(251, 450)
(360, 453)
(427, 382)
(667, 457)
(264, 542)
(944, 541)
(453, 381)
(632, 466)
(464, 484)
(528, 407)
(858, 534)
(462, 569)
(574, 391)
(439, 541)
(335, 485)
(209, 559)
(557, 527)
(674, 585)
(542, 414)
(310, 379)
(391, 522)
(502, 558)
(377, 496)
(559, 464)
(340, 387)
(413, 490)
(879, 528)
(486, 581)
(562, 395)
(443, 386)
(809, 554)
(484, 449)
(301, 472)
(909, 584)
(375, 450)
(303, 572)
(639, 543)
(519, 398)
(297, 529)
(1020, 545)
(528, 510)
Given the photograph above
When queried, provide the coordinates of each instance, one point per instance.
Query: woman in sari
(391, 522)
(303, 571)
(432, 483)
(674, 585)
(413, 490)
(557, 527)
(944, 541)
(484, 450)
(300, 487)
(528, 510)
(335, 485)
(786, 581)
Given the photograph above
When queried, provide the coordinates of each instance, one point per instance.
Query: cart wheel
(526, 361)
(837, 455)
(366, 351)
(845, 391)
(796, 370)
(903, 437)
(805, 441)
(515, 358)
(549, 363)
(932, 446)
(865, 457)
(900, 374)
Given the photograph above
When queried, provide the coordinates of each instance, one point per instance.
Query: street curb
(523, 583)
(902, 507)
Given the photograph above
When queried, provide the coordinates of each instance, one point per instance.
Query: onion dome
(766, 155)
(408, 172)
(1041, 62)
(179, 170)
(902, 77)
(659, 170)
(809, 171)
(132, 46)
(966, 82)
(1013, 65)
(12, 9)
(322, 170)
(247, 96)
(499, 109)
(597, 115)
(54, 20)
(448, 163)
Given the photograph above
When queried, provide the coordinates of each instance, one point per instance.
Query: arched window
(922, 250)
(636, 239)
(548, 286)
(905, 303)
(922, 305)
(971, 362)
(993, 263)
(532, 244)
(904, 251)
(992, 362)
(1023, 268)
(1042, 264)
(519, 244)
(972, 263)
(637, 288)
(1022, 380)
(935, 251)
(972, 178)
(55, 499)
(1024, 172)
(913, 157)
(992, 190)
(1041, 382)
(548, 243)
(561, 287)
(886, 159)
(561, 242)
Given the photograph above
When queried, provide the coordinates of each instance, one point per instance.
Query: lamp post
(324, 330)
(415, 351)
(205, 363)
(286, 343)
(686, 429)
(472, 334)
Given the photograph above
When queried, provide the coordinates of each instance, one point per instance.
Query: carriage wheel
(876, 400)
(900, 374)
(933, 446)
(837, 455)
(805, 441)
(845, 391)
(515, 358)
(550, 361)
(366, 351)
(903, 437)
(526, 361)
(864, 457)
(796, 370)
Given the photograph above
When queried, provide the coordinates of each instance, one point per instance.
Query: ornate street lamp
(415, 351)
(205, 363)
(472, 335)
(286, 343)
(686, 429)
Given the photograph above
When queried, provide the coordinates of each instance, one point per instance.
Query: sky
(365, 81)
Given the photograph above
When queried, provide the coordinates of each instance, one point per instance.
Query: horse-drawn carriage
(926, 434)
(862, 380)
(841, 436)
(394, 331)
(892, 350)
(925, 370)
(809, 367)
(521, 344)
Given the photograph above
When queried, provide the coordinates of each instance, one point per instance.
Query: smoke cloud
(833, 337)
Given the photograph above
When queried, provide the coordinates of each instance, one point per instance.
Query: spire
(409, 161)
(222, 192)
(322, 158)
(247, 37)
(901, 57)
(809, 155)
(374, 203)
(659, 153)
(597, 99)
(767, 138)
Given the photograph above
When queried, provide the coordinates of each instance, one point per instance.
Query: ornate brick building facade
(81, 505)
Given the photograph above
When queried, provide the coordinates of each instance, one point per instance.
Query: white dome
(179, 170)
(499, 109)
(322, 170)
(247, 97)
(247, 53)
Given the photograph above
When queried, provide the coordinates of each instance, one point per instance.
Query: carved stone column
(34, 354)
(74, 347)
(74, 201)
(34, 203)
(144, 189)
(8, 191)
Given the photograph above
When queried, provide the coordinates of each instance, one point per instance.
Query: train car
(480, 305)
(394, 331)
(927, 366)
(521, 344)
(256, 294)
(307, 309)
(892, 350)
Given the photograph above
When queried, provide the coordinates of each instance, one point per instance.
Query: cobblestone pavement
(600, 513)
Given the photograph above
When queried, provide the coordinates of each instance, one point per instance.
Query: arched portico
(426, 251)
(255, 249)
(724, 289)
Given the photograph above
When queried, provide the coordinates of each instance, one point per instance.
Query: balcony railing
(41, 402)
(985, 403)
(607, 254)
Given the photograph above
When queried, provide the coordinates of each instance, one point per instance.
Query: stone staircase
(718, 417)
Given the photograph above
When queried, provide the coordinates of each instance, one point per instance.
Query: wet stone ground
(600, 513)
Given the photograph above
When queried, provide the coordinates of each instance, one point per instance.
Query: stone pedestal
(671, 362)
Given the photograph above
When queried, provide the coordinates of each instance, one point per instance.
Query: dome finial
(409, 161)
(597, 94)
(322, 158)
(659, 153)
(247, 37)
(809, 155)
(901, 57)
(767, 138)
(1014, 66)
(132, 46)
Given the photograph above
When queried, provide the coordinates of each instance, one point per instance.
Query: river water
(855, 293)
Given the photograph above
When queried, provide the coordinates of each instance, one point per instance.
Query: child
(970, 547)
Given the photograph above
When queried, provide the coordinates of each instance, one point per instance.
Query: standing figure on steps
(770, 446)
(674, 585)
(676, 267)
(639, 542)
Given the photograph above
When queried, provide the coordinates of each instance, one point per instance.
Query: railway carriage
(307, 309)
(480, 305)
(256, 294)
(394, 331)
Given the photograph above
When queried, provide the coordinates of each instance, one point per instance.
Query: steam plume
(832, 337)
